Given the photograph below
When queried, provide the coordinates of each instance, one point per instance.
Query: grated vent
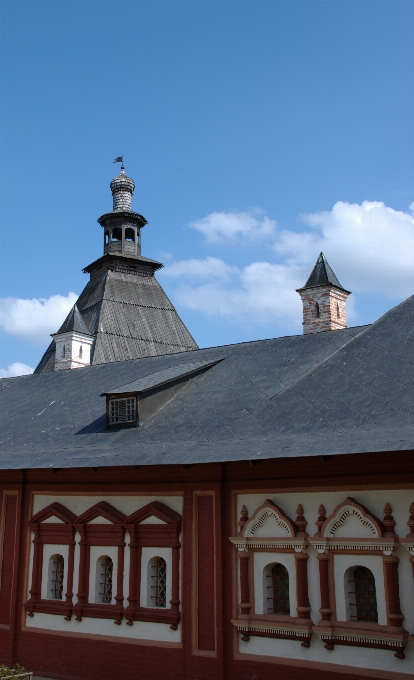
(122, 411)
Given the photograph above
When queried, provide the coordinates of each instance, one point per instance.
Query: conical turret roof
(322, 275)
(74, 322)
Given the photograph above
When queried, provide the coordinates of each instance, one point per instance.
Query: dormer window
(122, 411)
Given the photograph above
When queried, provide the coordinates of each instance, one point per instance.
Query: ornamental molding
(269, 509)
(408, 544)
(244, 544)
(388, 547)
(373, 639)
(274, 629)
(351, 507)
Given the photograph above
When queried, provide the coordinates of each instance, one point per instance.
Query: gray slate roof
(336, 392)
(322, 275)
(131, 317)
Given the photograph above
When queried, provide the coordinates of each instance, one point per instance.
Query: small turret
(323, 300)
(73, 343)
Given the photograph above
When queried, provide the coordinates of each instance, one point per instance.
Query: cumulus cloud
(34, 320)
(15, 369)
(369, 246)
(259, 292)
(219, 227)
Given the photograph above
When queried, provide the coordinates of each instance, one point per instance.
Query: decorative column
(82, 588)
(36, 580)
(71, 562)
(394, 614)
(134, 576)
(175, 586)
(302, 605)
(410, 536)
(119, 597)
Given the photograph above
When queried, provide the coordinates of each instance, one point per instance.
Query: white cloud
(211, 268)
(15, 369)
(256, 293)
(369, 246)
(218, 227)
(35, 319)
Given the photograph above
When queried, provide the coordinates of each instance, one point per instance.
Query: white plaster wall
(357, 657)
(50, 549)
(147, 554)
(374, 500)
(126, 504)
(97, 551)
(372, 562)
(53, 520)
(261, 559)
(142, 630)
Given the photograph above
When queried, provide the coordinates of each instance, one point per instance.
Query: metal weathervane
(119, 159)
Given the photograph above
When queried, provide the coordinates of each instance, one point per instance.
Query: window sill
(273, 626)
(155, 614)
(361, 634)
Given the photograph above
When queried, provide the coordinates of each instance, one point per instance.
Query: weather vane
(120, 159)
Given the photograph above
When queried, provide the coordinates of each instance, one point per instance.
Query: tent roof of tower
(106, 259)
(323, 394)
(74, 322)
(322, 275)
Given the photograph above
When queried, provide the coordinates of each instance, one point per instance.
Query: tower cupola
(122, 227)
(323, 299)
(122, 188)
(73, 342)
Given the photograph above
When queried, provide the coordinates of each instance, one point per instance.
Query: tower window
(317, 311)
(338, 310)
(158, 579)
(117, 234)
(63, 351)
(80, 352)
(130, 235)
(362, 595)
(56, 574)
(122, 411)
(277, 589)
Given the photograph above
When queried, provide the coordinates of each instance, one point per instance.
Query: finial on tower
(323, 300)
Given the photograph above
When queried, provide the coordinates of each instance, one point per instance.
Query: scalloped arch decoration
(370, 525)
(269, 509)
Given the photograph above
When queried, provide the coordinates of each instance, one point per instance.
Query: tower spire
(323, 299)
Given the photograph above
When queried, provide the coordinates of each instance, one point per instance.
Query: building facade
(244, 511)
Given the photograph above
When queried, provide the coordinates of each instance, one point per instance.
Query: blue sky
(257, 134)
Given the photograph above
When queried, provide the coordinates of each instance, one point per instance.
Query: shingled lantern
(323, 299)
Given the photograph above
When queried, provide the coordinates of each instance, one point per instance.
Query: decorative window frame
(384, 542)
(58, 533)
(165, 535)
(295, 542)
(112, 534)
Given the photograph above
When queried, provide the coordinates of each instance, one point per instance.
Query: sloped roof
(130, 317)
(74, 322)
(345, 391)
(322, 275)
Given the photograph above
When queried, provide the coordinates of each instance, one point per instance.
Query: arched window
(157, 581)
(104, 572)
(338, 310)
(55, 577)
(276, 589)
(117, 234)
(362, 596)
(317, 311)
(129, 235)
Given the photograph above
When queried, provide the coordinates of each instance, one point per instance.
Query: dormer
(133, 403)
